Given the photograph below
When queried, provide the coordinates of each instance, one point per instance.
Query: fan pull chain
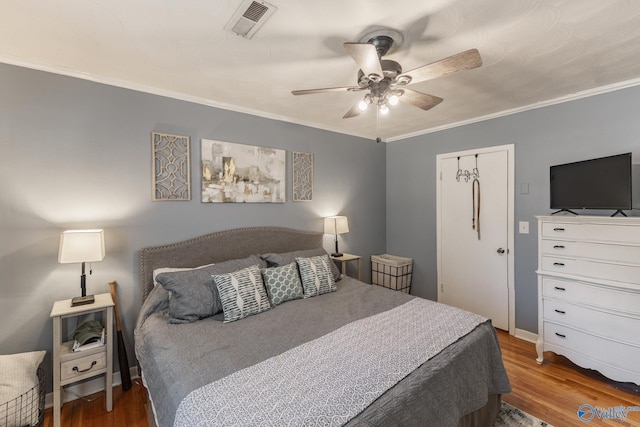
(378, 139)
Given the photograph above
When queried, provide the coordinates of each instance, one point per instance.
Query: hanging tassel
(475, 222)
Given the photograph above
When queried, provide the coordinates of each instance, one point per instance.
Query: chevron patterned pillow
(242, 293)
(316, 276)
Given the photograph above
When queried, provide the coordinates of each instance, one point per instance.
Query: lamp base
(89, 299)
(337, 254)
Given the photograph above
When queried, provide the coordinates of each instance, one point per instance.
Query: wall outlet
(523, 227)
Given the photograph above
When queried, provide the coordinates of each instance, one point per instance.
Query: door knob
(500, 251)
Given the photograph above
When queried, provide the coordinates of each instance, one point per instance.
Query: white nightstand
(346, 258)
(70, 366)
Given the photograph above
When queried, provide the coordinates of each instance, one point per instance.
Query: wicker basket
(26, 409)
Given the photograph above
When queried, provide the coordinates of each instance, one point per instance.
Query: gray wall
(77, 154)
(582, 129)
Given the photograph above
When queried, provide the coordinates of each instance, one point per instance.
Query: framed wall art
(170, 175)
(239, 173)
(302, 176)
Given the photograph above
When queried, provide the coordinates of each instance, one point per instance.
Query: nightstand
(69, 366)
(344, 259)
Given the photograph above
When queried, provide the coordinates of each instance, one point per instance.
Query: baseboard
(86, 388)
(526, 335)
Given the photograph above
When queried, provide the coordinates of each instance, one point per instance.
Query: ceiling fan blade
(461, 61)
(419, 99)
(366, 56)
(326, 90)
(353, 112)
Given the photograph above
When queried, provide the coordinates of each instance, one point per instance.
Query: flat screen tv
(603, 183)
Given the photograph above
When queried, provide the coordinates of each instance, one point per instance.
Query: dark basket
(392, 272)
(26, 409)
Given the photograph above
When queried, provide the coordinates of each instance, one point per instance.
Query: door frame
(510, 149)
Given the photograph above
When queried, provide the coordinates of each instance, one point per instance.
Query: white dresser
(589, 292)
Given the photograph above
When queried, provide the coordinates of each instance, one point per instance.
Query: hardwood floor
(129, 409)
(556, 389)
(552, 392)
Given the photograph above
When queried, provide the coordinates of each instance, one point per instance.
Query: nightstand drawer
(88, 365)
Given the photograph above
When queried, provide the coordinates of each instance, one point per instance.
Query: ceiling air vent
(249, 17)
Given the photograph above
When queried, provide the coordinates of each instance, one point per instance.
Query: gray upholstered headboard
(222, 246)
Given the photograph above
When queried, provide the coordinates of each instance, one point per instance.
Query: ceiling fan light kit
(384, 79)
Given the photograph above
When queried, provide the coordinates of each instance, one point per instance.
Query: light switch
(523, 227)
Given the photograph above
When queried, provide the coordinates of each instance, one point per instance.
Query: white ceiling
(534, 53)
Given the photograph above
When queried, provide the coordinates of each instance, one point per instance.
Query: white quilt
(330, 380)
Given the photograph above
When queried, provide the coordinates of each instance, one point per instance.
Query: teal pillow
(282, 283)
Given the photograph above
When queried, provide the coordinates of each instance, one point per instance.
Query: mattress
(177, 359)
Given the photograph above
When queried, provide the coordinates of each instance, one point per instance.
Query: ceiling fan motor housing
(382, 43)
(390, 69)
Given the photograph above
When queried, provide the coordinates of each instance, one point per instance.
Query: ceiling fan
(383, 79)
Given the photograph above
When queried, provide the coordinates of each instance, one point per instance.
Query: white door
(475, 263)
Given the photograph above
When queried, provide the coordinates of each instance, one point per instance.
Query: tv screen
(603, 183)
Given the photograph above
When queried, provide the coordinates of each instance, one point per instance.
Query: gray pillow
(276, 260)
(316, 275)
(194, 294)
(282, 283)
(242, 293)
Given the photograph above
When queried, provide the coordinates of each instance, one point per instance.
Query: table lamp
(336, 225)
(81, 246)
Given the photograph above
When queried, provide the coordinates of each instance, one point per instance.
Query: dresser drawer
(600, 251)
(82, 366)
(593, 269)
(601, 349)
(580, 293)
(597, 322)
(591, 232)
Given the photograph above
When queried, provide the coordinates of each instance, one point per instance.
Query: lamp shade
(81, 246)
(336, 225)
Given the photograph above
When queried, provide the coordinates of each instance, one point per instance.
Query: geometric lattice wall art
(170, 175)
(302, 176)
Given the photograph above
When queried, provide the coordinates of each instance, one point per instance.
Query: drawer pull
(75, 368)
(558, 229)
(560, 311)
(558, 247)
(560, 335)
(558, 288)
(558, 264)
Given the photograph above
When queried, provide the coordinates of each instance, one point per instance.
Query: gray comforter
(177, 359)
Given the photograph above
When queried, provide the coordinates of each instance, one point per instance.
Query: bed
(338, 358)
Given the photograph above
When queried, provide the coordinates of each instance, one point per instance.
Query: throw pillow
(242, 293)
(275, 260)
(282, 283)
(316, 275)
(194, 294)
